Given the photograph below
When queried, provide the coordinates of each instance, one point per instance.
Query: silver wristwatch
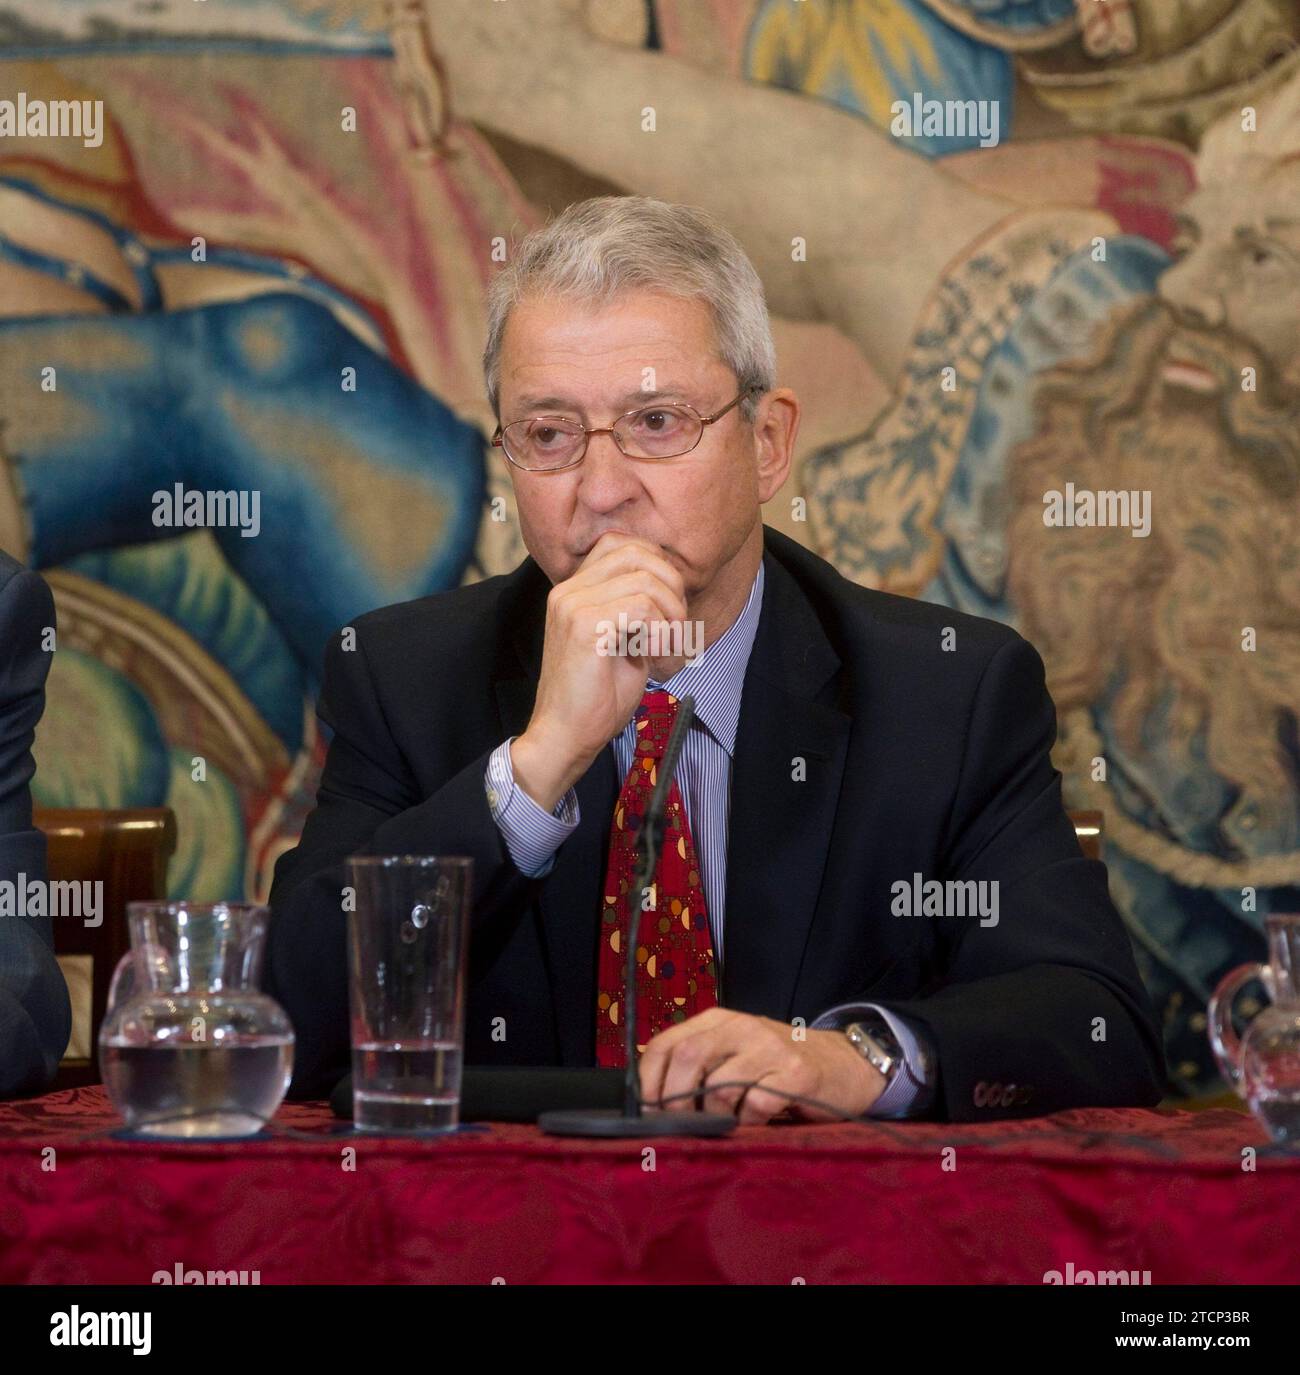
(879, 1045)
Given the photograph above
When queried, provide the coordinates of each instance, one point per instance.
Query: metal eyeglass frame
(498, 438)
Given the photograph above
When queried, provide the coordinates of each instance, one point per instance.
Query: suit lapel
(571, 904)
(780, 824)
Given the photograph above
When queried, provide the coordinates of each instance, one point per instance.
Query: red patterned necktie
(676, 975)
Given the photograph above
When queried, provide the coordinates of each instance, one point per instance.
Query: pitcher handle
(1224, 1041)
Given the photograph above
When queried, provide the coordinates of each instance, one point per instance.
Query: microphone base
(611, 1122)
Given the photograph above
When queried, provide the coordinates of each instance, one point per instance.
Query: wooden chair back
(1089, 829)
(127, 850)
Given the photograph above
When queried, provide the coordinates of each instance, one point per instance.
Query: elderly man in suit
(869, 901)
(35, 1015)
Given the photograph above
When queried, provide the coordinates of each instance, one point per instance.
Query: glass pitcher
(190, 1046)
(1264, 1064)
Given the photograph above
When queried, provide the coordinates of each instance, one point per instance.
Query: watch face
(879, 1046)
(871, 1042)
(880, 1033)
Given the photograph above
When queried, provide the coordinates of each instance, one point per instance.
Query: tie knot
(654, 722)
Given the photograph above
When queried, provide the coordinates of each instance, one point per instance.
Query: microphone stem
(644, 878)
(649, 839)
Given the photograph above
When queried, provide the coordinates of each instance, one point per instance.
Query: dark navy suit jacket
(924, 754)
(35, 1015)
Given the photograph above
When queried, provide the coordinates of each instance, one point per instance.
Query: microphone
(630, 1122)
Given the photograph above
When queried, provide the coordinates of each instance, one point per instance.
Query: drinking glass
(408, 932)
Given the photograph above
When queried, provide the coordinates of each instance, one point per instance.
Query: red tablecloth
(1006, 1202)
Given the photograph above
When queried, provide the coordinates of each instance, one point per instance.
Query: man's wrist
(531, 835)
(541, 770)
(862, 1082)
(910, 1090)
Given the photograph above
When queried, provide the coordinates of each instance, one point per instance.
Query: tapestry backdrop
(1034, 268)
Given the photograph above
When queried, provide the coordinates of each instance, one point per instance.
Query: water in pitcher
(1279, 1112)
(406, 1086)
(197, 1090)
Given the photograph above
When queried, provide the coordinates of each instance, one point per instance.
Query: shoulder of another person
(9, 568)
(23, 588)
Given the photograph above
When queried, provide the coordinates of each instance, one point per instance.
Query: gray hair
(599, 247)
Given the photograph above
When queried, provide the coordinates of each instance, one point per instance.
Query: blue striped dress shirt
(703, 775)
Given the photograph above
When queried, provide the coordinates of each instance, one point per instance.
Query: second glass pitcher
(190, 1046)
(1263, 1065)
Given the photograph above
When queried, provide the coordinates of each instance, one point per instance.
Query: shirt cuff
(531, 835)
(910, 1093)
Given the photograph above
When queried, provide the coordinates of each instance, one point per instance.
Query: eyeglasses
(547, 443)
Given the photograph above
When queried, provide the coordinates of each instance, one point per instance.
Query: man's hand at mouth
(584, 698)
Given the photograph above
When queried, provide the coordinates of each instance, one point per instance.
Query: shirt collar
(717, 677)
